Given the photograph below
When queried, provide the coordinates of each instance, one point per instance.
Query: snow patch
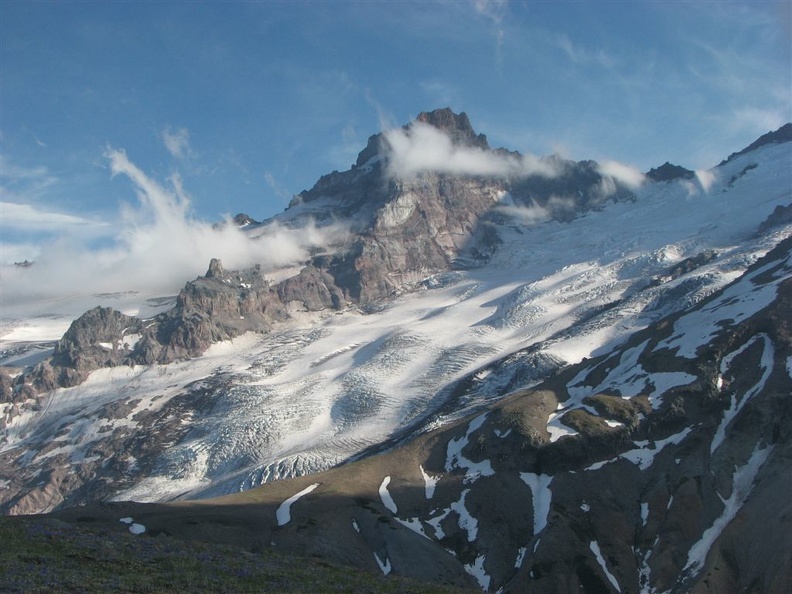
(476, 569)
(413, 524)
(542, 496)
(430, 482)
(629, 379)
(768, 354)
(455, 459)
(643, 456)
(385, 496)
(736, 303)
(134, 527)
(595, 548)
(742, 486)
(283, 513)
(520, 557)
(466, 522)
(385, 567)
(435, 523)
(555, 428)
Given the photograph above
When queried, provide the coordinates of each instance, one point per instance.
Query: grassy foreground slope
(48, 555)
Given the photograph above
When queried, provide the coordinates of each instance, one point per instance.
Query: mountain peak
(668, 172)
(457, 126)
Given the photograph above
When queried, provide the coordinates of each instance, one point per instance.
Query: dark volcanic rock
(782, 215)
(783, 134)
(668, 172)
(456, 126)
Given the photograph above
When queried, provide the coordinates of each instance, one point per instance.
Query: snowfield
(328, 386)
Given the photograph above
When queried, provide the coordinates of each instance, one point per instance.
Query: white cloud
(25, 217)
(177, 142)
(495, 10)
(278, 188)
(21, 184)
(156, 246)
(581, 55)
(625, 174)
(535, 214)
(423, 148)
(706, 178)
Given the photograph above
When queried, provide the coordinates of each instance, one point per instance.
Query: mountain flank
(507, 373)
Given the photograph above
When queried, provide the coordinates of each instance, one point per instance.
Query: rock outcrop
(669, 172)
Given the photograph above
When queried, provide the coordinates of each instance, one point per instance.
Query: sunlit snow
(430, 482)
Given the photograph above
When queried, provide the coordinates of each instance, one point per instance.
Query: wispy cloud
(535, 214)
(156, 245)
(495, 10)
(624, 174)
(23, 184)
(581, 55)
(423, 148)
(26, 217)
(277, 188)
(177, 142)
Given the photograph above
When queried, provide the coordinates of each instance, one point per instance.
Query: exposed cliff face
(414, 226)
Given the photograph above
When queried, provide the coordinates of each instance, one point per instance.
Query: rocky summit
(503, 372)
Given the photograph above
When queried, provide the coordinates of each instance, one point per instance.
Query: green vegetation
(46, 555)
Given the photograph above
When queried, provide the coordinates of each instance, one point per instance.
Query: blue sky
(244, 104)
